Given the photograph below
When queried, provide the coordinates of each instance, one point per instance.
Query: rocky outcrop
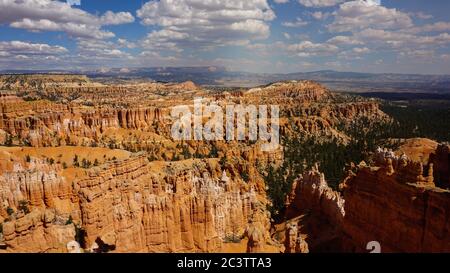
(394, 202)
(185, 210)
(37, 231)
(36, 203)
(47, 124)
(40, 81)
(294, 241)
(440, 159)
(311, 192)
(299, 91)
(417, 149)
(321, 210)
(397, 204)
(257, 230)
(309, 109)
(132, 206)
(86, 111)
(40, 185)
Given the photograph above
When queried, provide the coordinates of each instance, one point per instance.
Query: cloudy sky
(403, 36)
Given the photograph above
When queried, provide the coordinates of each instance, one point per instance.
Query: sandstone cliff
(316, 211)
(395, 202)
(131, 206)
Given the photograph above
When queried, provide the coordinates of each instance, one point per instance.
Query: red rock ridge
(395, 202)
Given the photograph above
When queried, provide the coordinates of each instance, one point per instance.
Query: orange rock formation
(160, 199)
(395, 202)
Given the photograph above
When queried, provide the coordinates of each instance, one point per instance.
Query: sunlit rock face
(395, 202)
(128, 186)
(182, 209)
(131, 206)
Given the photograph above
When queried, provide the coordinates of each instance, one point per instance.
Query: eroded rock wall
(395, 202)
(131, 206)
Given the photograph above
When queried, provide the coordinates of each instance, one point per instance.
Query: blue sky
(400, 36)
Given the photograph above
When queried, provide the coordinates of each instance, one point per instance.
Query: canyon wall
(131, 206)
(395, 202)
(316, 211)
(48, 124)
(307, 108)
(35, 203)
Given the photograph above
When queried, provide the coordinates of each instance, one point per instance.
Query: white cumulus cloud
(48, 15)
(320, 3)
(199, 23)
(356, 15)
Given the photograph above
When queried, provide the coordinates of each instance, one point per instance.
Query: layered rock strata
(395, 202)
